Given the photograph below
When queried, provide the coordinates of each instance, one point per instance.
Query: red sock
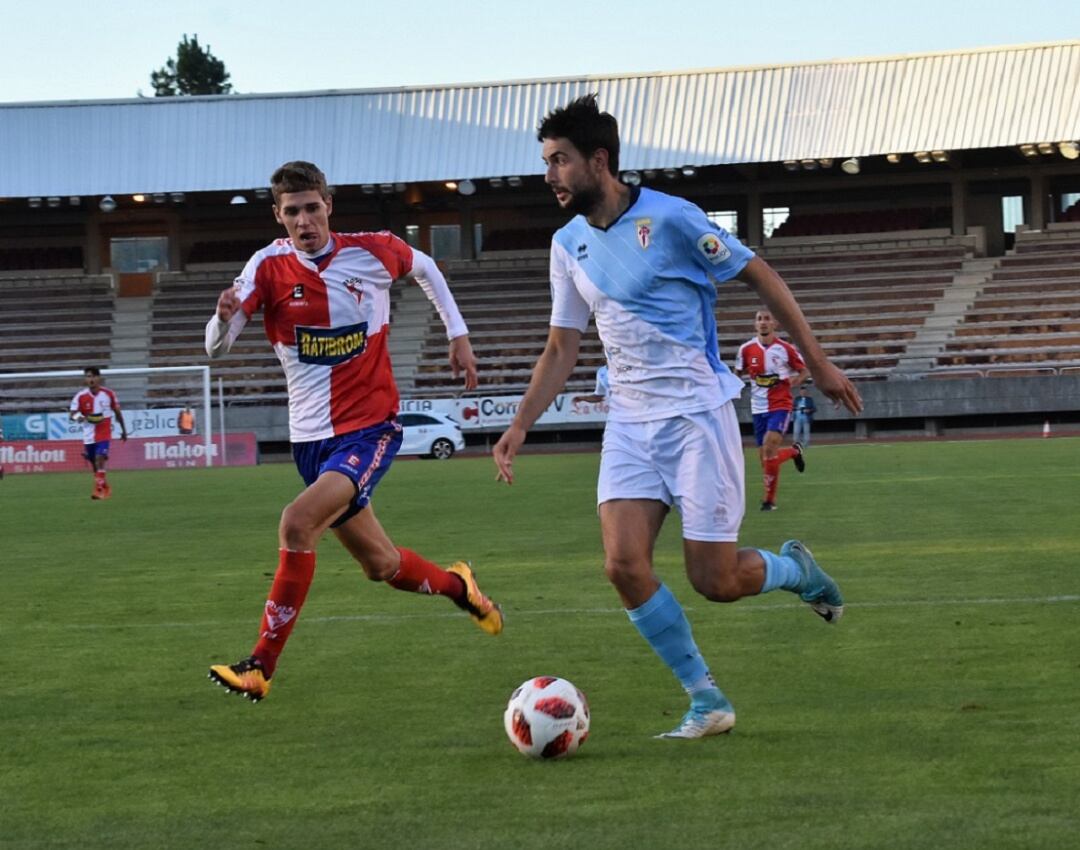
(417, 575)
(785, 454)
(772, 478)
(287, 594)
(99, 478)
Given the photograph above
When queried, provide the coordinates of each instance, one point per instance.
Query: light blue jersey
(650, 281)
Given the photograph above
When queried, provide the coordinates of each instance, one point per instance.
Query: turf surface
(941, 713)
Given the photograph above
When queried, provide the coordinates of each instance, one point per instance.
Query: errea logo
(298, 297)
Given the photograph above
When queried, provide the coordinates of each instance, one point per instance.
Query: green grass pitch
(942, 712)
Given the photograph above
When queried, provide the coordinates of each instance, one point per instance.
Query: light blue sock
(780, 572)
(663, 624)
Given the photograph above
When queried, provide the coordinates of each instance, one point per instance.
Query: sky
(57, 50)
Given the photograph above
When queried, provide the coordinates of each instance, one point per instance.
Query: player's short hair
(92, 370)
(586, 127)
(298, 176)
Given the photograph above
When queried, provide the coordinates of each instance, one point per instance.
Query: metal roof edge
(627, 75)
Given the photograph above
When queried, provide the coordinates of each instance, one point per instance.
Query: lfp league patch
(712, 248)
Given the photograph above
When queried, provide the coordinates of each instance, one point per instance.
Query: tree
(194, 71)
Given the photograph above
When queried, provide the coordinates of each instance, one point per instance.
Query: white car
(430, 434)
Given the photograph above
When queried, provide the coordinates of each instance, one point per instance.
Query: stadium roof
(993, 97)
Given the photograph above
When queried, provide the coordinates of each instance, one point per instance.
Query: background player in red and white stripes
(325, 299)
(95, 407)
(774, 366)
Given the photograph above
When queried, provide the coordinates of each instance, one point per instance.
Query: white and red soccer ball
(547, 718)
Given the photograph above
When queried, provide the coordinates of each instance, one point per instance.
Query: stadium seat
(1027, 316)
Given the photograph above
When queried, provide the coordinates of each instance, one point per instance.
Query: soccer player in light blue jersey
(646, 265)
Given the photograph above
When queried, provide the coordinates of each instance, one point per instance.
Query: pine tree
(195, 70)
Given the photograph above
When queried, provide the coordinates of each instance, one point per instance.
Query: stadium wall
(890, 406)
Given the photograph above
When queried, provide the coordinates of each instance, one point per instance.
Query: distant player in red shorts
(774, 368)
(95, 407)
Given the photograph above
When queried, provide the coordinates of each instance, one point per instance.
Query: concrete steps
(409, 321)
(940, 326)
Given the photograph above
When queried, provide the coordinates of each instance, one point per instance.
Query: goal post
(152, 387)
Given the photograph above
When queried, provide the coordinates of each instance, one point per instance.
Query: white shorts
(694, 461)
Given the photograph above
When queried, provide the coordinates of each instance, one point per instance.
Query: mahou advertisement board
(23, 456)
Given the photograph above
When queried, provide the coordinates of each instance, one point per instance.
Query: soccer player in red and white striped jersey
(774, 366)
(94, 407)
(325, 300)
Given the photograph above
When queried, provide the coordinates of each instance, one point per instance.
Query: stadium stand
(517, 240)
(866, 304)
(1027, 318)
(53, 322)
(867, 300)
(37, 259)
(863, 221)
(232, 252)
(506, 302)
(182, 303)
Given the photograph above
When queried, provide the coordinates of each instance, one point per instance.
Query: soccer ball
(547, 718)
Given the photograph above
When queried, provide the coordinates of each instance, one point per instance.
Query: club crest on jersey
(330, 346)
(713, 249)
(644, 231)
(355, 285)
(297, 291)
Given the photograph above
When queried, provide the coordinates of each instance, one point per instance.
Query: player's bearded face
(585, 196)
(575, 180)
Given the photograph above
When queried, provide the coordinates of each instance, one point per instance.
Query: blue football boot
(817, 589)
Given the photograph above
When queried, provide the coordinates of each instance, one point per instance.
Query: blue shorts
(363, 456)
(774, 420)
(95, 450)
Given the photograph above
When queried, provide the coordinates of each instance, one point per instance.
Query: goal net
(167, 411)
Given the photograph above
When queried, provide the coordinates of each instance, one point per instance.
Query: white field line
(514, 613)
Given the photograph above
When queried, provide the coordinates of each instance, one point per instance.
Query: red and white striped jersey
(329, 326)
(770, 369)
(97, 412)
